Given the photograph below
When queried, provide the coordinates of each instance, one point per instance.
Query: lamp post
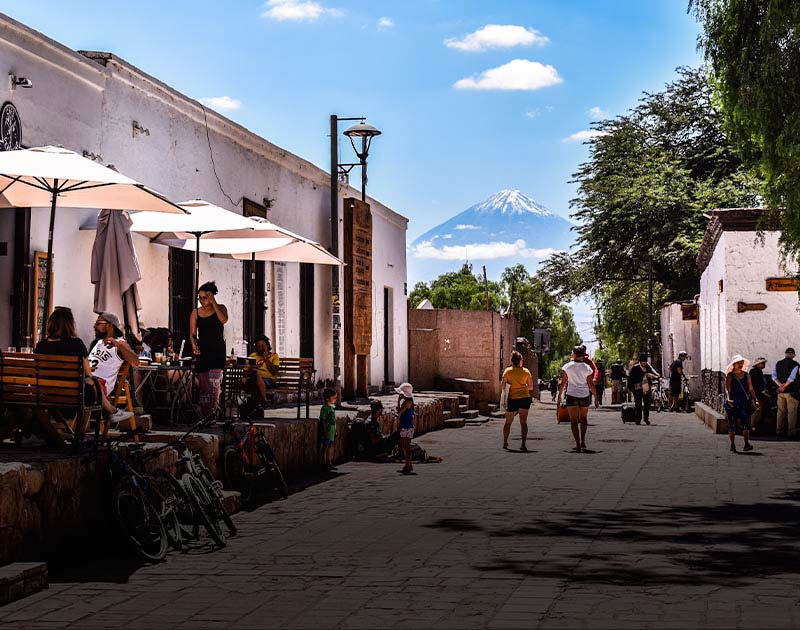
(366, 133)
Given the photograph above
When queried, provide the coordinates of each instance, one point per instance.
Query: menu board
(39, 285)
(358, 272)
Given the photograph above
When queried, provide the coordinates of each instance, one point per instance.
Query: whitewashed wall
(744, 263)
(678, 334)
(84, 106)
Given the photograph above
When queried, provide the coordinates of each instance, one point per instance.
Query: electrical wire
(213, 164)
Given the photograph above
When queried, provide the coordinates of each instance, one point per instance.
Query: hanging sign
(10, 128)
(782, 284)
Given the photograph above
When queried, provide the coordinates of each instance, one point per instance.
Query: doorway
(307, 310)
(388, 338)
(181, 298)
(254, 300)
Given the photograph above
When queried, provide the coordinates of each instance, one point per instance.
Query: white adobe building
(102, 107)
(748, 296)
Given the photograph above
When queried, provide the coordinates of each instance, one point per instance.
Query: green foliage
(753, 47)
(651, 176)
(526, 295)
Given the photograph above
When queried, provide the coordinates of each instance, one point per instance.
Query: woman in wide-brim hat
(740, 400)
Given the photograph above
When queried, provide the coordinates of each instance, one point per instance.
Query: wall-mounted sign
(10, 128)
(690, 312)
(782, 284)
(743, 307)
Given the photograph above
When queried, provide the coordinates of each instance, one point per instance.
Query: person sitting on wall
(265, 375)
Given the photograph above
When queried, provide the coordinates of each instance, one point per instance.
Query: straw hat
(406, 389)
(735, 359)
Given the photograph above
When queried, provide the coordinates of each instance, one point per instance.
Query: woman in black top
(62, 341)
(206, 326)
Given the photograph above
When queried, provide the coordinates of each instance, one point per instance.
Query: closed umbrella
(54, 176)
(115, 269)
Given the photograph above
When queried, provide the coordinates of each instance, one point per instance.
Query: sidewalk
(661, 527)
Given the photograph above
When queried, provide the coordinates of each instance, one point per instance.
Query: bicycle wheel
(267, 457)
(214, 489)
(176, 495)
(139, 522)
(205, 515)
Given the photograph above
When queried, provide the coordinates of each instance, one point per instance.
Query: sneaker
(733, 448)
(748, 447)
(120, 415)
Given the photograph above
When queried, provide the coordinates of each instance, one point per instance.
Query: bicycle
(204, 491)
(659, 396)
(249, 462)
(144, 509)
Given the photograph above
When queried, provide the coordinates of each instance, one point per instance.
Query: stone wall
(714, 389)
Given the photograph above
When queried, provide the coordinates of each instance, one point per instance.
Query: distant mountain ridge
(507, 225)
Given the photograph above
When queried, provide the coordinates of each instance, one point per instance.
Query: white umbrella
(53, 176)
(201, 221)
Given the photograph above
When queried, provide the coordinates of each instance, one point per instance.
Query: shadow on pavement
(726, 544)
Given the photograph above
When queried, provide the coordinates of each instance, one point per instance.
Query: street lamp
(366, 133)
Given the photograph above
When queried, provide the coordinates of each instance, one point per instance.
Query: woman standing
(578, 381)
(206, 326)
(520, 397)
(600, 382)
(740, 401)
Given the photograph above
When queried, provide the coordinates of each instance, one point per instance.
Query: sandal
(523, 448)
(577, 449)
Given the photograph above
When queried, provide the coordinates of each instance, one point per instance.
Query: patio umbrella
(202, 220)
(54, 176)
(115, 269)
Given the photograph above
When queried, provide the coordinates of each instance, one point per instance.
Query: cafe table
(165, 392)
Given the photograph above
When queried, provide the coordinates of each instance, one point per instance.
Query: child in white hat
(405, 411)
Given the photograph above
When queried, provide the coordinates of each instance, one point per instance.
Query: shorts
(744, 421)
(269, 383)
(574, 401)
(407, 433)
(675, 390)
(326, 441)
(515, 404)
(102, 383)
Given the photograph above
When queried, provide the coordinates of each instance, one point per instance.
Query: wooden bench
(52, 388)
(295, 376)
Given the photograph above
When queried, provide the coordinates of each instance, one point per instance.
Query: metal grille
(280, 307)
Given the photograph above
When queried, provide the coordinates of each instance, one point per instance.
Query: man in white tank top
(109, 352)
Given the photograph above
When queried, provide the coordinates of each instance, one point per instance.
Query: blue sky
(443, 148)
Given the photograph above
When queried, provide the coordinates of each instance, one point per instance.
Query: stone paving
(660, 527)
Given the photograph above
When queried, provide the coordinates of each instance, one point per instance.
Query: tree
(652, 174)
(753, 47)
(458, 290)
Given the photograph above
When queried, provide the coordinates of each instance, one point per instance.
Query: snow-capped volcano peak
(511, 202)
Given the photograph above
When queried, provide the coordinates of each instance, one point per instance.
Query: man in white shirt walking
(578, 381)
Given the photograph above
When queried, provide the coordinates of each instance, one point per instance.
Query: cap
(111, 319)
(406, 389)
(683, 353)
(643, 357)
(789, 351)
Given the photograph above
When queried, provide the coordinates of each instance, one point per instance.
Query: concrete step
(493, 407)
(463, 399)
(470, 414)
(20, 579)
(462, 408)
(447, 415)
(498, 414)
(454, 423)
(232, 500)
(473, 422)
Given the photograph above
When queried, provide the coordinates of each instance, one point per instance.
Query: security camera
(20, 82)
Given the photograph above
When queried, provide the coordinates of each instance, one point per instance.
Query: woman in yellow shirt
(520, 397)
(267, 364)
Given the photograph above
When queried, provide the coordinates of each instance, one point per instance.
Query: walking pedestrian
(600, 380)
(553, 388)
(759, 384)
(676, 380)
(578, 381)
(520, 397)
(784, 375)
(617, 374)
(206, 326)
(740, 401)
(405, 412)
(639, 384)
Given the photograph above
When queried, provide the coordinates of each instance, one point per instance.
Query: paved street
(660, 527)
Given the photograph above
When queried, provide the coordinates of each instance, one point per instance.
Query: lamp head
(364, 131)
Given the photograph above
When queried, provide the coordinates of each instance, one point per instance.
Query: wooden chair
(52, 388)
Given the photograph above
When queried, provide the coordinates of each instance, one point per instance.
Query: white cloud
(538, 111)
(467, 226)
(597, 113)
(519, 74)
(221, 103)
(385, 22)
(297, 10)
(584, 136)
(480, 251)
(493, 36)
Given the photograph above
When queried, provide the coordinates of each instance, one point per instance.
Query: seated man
(109, 352)
(265, 375)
